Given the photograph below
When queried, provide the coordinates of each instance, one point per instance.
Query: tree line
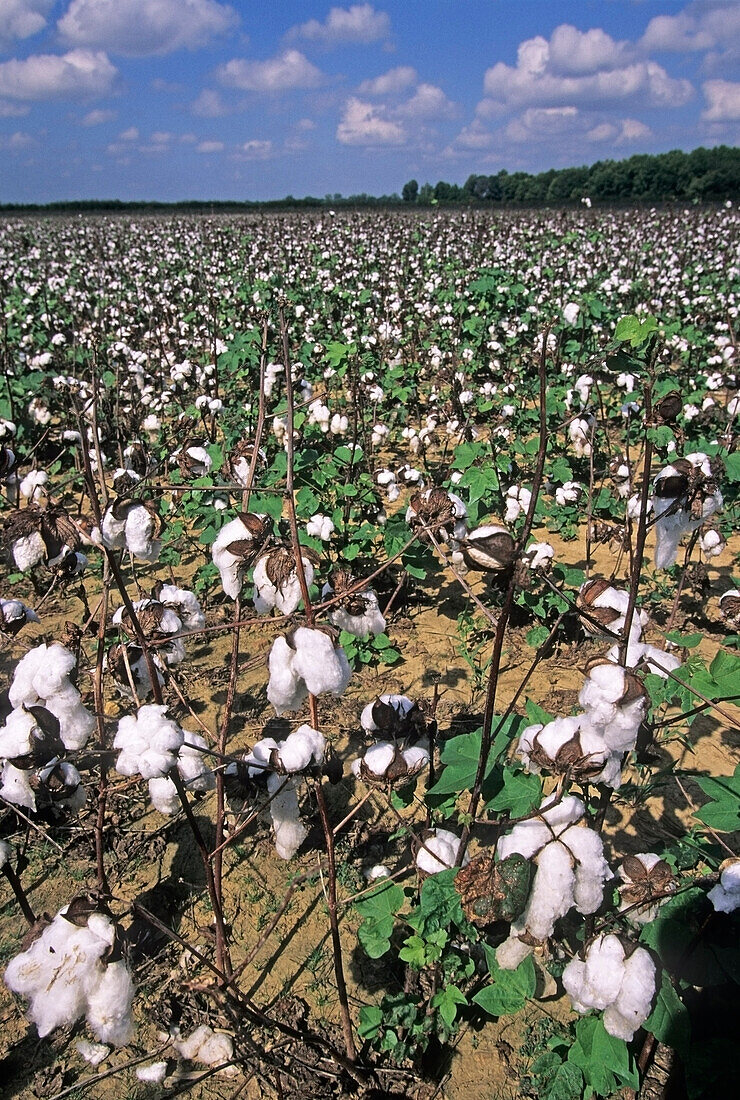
(704, 174)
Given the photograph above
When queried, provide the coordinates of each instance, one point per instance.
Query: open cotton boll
(109, 1005)
(285, 689)
(282, 591)
(230, 566)
(591, 869)
(153, 1074)
(439, 852)
(113, 531)
(401, 704)
(41, 673)
(140, 529)
(725, 896)
(192, 766)
(290, 832)
(148, 742)
(551, 895)
(302, 747)
(322, 666)
(16, 734)
(206, 1045)
(185, 603)
(6, 853)
(14, 614)
(94, 1053)
(164, 796)
(33, 486)
(28, 551)
(415, 758)
(258, 760)
(622, 987)
(657, 661)
(379, 757)
(16, 787)
(320, 527)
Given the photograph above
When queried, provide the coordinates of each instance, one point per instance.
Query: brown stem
(20, 893)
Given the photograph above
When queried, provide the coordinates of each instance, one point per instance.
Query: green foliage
(378, 909)
(509, 990)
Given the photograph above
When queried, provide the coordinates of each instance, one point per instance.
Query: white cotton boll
(379, 757)
(512, 952)
(322, 666)
(139, 533)
(415, 758)
(302, 747)
(320, 527)
(604, 683)
(76, 724)
(15, 736)
(712, 544)
(657, 660)
(6, 853)
(192, 766)
(370, 622)
(206, 1046)
(539, 555)
(568, 493)
(632, 1006)
(28, 551)
(148, 742)
(290, 832)
(579, 433)
(551, 895)
(33, 486)
(284, 597)
(229, 565)
(153, 1074)
(163, 795)
(378, 871)
(400, 703)
(286, 689)
(94, 1053)
(725, 896)
(187, 605)
(16, 787)
(113, 531)
(439, 852)
(109, 1005)
(570, 312)
(259, 758)
(591, 870)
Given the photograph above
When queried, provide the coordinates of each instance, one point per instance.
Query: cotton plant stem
(349, 1041)
(102, 740)
(503, 620)
(641, 535)
(20, 893)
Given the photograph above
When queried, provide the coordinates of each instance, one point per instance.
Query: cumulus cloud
(139, 28)
(428, 101)
(210, 147)
(538, 123)
(622, 132)
(97, 117)
(14, 142)
(365, 124)
(74, 75)
(21, 19)
(723, 101)
(359, 24)
(705, 25)
(132, 134)
(574, 68)
(475, 137)
(13, 110)
(395, 80)
(289, 70)
(255, 150)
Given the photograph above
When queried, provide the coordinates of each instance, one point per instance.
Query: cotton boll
(16, 787)
(185, 603)
(33, 486)
(400, 704)
(725, 896)
(439, 851)
(379, 757)
(192, 766)
(113, 531)
(320, 527)
(94, 1053)
(302, 747)
(415, 758)
(285, 690)
(657, 661)
(322, 666)
(164, 796)
(109, 1005)
(14, 615)
(16, 735)
(148, 742)
(6, 853)
(206, 1046)
(140, 529)
(28, 551)
(258, 760)
(371, 620)
(290, 832)
(153, 1074)
(40, 674)
(632, 1006)
(591, 870)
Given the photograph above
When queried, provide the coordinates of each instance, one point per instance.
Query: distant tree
(410, 192)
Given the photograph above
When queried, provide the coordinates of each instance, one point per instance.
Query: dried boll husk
(193, 459)
(14, 615)
(357, 612)
(276, 579)
(239, 461)
(488, 549)
(36, 535)
(647, 880)
(237, 547)
(394, 717)
(729, 607)
(436, 512)
(667, 409)
(386, 764)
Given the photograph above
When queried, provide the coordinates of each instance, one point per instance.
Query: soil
(290, 971)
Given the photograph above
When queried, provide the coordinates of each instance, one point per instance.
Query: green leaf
(732, 467)
(479, 481)
(669, 1021)
(439, 904)
(535, 713)
(633, 330)
(446, 1001)
(509, 990)
(723, 811)
(565, 1084)
(378, 910)
(521, 792)
(371, 1019)
(537, 636)
(603, 1059)
(686, 641)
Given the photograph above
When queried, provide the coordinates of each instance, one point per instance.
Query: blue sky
(178, 99)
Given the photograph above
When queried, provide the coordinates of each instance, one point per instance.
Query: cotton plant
(438, 851)
(305, 661)
(570, 873)
(74, 968)
(133, 526)
(685, 495)
(618, 982)
(236, 546)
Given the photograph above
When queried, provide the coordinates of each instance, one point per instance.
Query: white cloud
(428, 101)
(579, 53)
(139, 28)
(209, 104)
(475, 136)
(723, 101)
(76, 74)
(360, 24)
(16, 141)
(210, 147)
(541, 123)
(702, 25)
(622, 132)
(290, 69)
(598, 73)
(161, 137)
(21, 19)
(255, 150)
(395, 80)
(96, 118)
(132, 134)
(365, 124)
